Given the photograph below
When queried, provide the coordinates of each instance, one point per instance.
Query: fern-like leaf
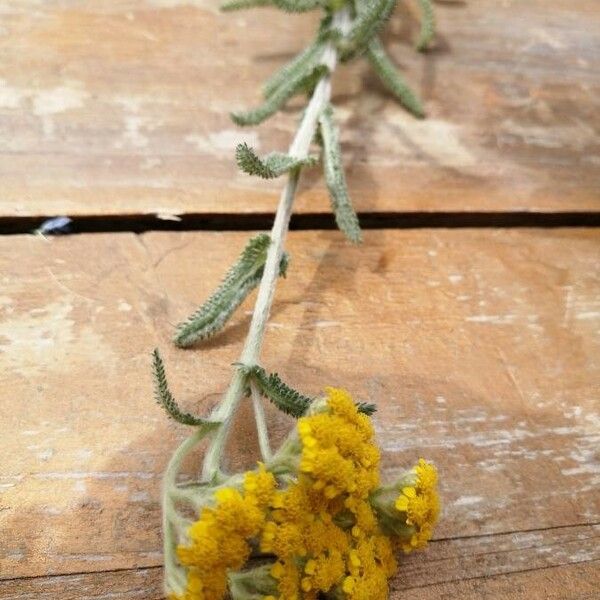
(299, 6)
(291, 6)
(370, 17)
(285, 398)
(306, 60)
(272, 165)
(239, 281)
(243, 4)
(386, 70)
(302, 81)
(366, 408)
(345, 215)
(165, 398)
(427, 25)
(280, 394)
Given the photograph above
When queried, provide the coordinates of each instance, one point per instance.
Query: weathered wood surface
(567, 582)
(484, 350)
(122, 108)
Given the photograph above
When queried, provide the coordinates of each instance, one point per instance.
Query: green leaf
(281, 395)
(239, 281)
(345, 215)
(371, 15)
(165, 398)
(243, 4)
(272, 165)
(307, 59)
(293, 6)
(386, 70)
(299, 6)
(285, 398)
(366, 408)
(302, 81)
(427, 25)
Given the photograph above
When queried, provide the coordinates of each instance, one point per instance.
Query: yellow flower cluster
(219, 539)
(323, 529)
(317, 524)
(421, 505)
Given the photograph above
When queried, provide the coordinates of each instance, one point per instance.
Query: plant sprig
(348, 29)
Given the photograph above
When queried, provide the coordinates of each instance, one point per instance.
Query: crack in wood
(139, 223)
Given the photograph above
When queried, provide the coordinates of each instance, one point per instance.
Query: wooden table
(480, 344)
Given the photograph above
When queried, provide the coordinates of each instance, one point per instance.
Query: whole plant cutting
(313, 519)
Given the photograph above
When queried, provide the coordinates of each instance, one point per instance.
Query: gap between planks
(140, 223)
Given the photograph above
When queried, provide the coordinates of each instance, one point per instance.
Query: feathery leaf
(239, 281)
(243, 4)
(272, 165)
(285, 398)
(299, 6)
(165, 398)
(281, 395)
(371, 15)
(427, 25)
(386, 70)
(302, 81)
(293, 6)
(366, 408)
(300, 64)
(345, 215)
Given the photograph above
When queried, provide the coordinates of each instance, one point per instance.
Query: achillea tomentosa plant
(312, 520)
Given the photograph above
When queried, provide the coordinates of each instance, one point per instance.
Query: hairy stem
(175, 577)
(252, 347)
(261, 423)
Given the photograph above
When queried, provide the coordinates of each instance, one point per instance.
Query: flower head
(419, 505)
(323, 522)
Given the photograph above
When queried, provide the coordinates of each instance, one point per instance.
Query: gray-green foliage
(297, 6)
(300, 75)
(165, 398)
(427, 25)
(272, 165)
(239, 281)
(302, 81)
(285, 398)
(345, 216)
(366, 408)
(301, 64)
(280, 394)
(388, 73)
(243, 4)
(370, 17)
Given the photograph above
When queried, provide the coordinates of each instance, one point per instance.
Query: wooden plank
(576, 580)
(133, 584)
(122, 108)
(567, 582)
(459, 559)
(484, 357)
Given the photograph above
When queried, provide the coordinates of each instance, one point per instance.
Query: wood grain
(575, 581)
(144, 584)
(566, 582)
(479, 347)
(122, 108)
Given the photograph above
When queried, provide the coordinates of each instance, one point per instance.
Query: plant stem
(261, 423)
(300, 147)
(175, 578)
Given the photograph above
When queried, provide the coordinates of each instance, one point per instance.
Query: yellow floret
(421, 505)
